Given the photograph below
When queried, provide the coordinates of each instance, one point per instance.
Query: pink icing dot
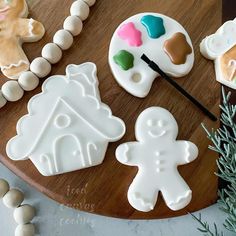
(129, 33)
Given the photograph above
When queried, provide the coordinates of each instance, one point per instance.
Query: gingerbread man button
(157, 154)
(15, 29)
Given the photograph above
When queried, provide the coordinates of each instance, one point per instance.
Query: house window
(62, 121)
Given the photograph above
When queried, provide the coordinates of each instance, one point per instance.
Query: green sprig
(205, 228)
(224, 143)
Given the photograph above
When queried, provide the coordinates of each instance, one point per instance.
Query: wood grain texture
(103, 189)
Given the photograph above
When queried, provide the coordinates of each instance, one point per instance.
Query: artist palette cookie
(157, 154)
(161, 38)
(15, 29)
(221, 47)
(64, 130)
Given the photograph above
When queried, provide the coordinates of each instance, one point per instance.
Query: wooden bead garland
(3, 100)
(73, 24)
(23, 214)
(13, 198)
(81, 9)
(4, 187)
(25, 230)
(63, 39)
(28, 81)
(51, 54)
(12, 91)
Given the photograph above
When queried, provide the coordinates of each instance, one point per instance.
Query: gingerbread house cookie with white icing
(221, 47)
(64, 130)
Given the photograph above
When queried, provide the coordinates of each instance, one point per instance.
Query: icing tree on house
(68, 127)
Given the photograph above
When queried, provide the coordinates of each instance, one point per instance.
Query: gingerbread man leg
(14, 71)
(176, 193)
(14, 61)
(142, 195)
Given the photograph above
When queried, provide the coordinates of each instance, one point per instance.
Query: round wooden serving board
(102, 189)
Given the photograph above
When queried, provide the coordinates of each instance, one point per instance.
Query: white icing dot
(63, 39)
(12, 91)
(24, 214)
(40, 67)
(25, 230)
(62, 121)
(4, 187)
(3, 100)
(157, 153)
(28, 81)
(90, 2)
(81, 9)
(73, 24)
(52, 53)
(13, 198)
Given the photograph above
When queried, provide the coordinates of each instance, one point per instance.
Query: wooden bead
(63, 39)
(52, 53)
(81, 9)
(4, 187)
(13, 198)
(40, 67)
(73, 24)
(28, 81)
(12, 91)
(24, 214)
(3, 100)
(25, 230)
(90, 2)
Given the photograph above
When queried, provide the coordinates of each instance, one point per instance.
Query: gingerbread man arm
(187, 152)
(28, 30)
(128, 153)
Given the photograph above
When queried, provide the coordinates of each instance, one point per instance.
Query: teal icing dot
(124, 59)
(154, 25)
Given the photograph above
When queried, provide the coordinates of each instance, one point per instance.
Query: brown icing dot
(228, 64)
(177, 48)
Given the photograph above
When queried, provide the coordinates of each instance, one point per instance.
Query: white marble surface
(55, 220)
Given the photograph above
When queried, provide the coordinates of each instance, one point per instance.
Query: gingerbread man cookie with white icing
(15, 29)
(221, 47)
(157, 154)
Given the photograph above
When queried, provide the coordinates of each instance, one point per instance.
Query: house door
(68, 154)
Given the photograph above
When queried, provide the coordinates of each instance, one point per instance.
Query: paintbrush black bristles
(156, 68)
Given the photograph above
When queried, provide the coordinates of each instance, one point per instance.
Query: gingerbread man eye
(151, 123)
(161, 123)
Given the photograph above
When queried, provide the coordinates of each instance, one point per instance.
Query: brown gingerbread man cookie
(15, 29)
